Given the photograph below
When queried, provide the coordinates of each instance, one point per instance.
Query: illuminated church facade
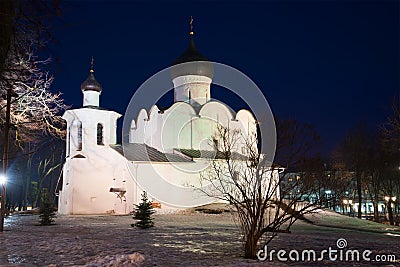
(166, 148)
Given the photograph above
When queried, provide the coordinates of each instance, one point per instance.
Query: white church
(167, 149)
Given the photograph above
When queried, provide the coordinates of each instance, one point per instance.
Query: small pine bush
(143, 213)
(47, 211)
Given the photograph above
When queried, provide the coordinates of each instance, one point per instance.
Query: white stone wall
(87, 182)
(90, 172)
(192, 89)
(91, 98)
(171, 184)
(181, 127)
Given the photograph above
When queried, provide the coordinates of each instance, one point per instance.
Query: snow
(332, 219)
(187, 239)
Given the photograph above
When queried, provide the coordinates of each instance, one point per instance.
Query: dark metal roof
(143, 152)
(200, 64)
(191, 54)
(79, 156)
(210, 154)
(91, 84)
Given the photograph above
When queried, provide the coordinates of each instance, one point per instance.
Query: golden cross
(191, 25)
(92, 64)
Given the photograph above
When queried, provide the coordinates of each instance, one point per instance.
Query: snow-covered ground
(189, 239)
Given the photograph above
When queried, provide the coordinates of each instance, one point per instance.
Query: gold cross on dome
(191, 26)
(92, 64)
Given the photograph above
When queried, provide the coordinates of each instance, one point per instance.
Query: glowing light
(3, 179)
(387, 198)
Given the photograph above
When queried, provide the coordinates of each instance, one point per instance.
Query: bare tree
(22, 21)
(327, 184)
(354, 152)
(34, 108)
(391, 130)
(373, 158)
(375, 170)
(391, 153)
(29, 111)
(263, 202)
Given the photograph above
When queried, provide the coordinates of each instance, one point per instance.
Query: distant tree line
(373, 157)
(365, 167)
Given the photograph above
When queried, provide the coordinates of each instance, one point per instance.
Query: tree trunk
(390, 212)
(376, 213)
(250, 250)
(359, 195)
(28, 177)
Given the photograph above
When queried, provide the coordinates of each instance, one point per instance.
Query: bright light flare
(3, 179)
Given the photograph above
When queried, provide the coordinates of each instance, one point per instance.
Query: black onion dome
(91, 84)
(200, 66)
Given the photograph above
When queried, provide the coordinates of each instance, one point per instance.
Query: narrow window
(100, 134)
(69, 141)
(79, 148)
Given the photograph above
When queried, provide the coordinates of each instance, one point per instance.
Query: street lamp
(3, 180)
(393, 199)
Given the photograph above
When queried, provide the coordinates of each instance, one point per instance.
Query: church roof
(200, 65)
(143, 152)
(91, 84)
(210, 154)
(191, 54)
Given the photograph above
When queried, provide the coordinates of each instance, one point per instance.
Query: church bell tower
(87, 172)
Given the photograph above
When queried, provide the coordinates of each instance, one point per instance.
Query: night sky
(333, 64)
